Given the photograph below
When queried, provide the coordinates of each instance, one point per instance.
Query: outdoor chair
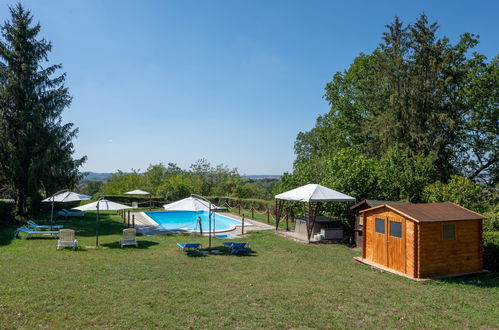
(189, 247)
(35, 226)
(29, 232)
(67, 239)
(129, 237)
(66, 213)
(236, 248)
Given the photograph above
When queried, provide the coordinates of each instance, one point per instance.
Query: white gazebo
(313, 195)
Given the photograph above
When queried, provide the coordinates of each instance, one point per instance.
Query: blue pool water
(187, 220)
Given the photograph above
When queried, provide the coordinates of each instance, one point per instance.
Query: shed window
(380, 226)
(449, 231)
(396, 229)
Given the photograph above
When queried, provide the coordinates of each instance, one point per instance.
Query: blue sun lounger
(35, 226)
(189, 247)
(235, 248)
(29, 232)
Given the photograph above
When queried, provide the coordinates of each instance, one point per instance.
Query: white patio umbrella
(137, 192)
(190, 204)
(140, 192)
(101, 204)
(64, 196)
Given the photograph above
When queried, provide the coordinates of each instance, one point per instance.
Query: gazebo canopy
(190, 204)
(314, 193)
(137, 192)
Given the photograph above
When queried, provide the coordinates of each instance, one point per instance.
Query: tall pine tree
(35, 146)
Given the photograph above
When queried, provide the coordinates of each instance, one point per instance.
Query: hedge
(491, 250)
(6, 211)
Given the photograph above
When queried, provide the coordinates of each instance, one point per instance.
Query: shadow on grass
(142, 245)
(7, 235)
(485, 280)
(85, 226)
(224, 251)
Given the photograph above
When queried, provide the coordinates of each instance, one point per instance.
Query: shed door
(396, 244)
(379, 241)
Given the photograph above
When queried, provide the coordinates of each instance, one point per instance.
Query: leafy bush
(491, 250)
(492, 221)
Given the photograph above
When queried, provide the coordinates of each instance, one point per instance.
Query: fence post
(242, 228)
(239, 206)
(268, 216)
(133, 220)
(252, 212)
(128, 219)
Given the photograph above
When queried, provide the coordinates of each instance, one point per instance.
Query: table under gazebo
(313, 195)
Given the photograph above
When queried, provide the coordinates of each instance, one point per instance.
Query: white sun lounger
(129, 237)
(67, 239)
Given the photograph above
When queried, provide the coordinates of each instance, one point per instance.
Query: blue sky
(230, 81)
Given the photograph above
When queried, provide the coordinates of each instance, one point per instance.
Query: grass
(281, 284)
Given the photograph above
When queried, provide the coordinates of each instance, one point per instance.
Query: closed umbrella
(101, 204)
(64, 196)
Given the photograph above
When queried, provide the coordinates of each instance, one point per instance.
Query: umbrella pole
(209, 233)
(52, 215)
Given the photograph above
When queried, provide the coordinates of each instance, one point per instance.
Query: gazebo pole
(278, 209)
(313, 210)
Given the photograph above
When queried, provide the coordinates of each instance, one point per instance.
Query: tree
(91, 188)
(418, 109)
(35, 146)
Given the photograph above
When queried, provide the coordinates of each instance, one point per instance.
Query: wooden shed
(362, 205)
(423, 240)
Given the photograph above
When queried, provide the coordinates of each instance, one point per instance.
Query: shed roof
(432, 212)
(373, 202)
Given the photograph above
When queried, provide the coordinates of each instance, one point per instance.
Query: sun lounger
(189, 247)
(66, 213)
(35, 226)
(67, 239)
(129, 237)
(235, 248)
(29, 232)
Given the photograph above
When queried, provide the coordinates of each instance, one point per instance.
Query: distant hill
(92, 176)
(262, 176)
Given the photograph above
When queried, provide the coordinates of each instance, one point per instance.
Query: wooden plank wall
(368, 231)
(441, 257)
(410, 247)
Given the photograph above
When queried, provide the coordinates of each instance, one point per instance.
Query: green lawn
(282, 284)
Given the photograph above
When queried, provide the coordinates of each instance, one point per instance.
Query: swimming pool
(188, 220)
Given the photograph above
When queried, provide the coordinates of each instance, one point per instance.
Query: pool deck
(147, 227)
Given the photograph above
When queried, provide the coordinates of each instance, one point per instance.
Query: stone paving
(147, 227)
